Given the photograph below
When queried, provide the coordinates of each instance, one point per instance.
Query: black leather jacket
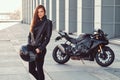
(43, 39)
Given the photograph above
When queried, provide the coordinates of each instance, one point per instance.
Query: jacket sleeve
(47, 37)
(29, 38)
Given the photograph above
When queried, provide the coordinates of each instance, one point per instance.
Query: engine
(83, 46)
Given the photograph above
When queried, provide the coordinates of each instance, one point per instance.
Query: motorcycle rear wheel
(106, 58)
(60, 57)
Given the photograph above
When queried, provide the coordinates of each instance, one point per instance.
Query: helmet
(27, 55)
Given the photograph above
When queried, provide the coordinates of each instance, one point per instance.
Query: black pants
(36, 67)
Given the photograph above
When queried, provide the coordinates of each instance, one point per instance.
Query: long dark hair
(35, 17)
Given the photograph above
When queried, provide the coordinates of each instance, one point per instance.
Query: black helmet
(27, 55)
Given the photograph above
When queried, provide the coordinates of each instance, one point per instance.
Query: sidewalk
(11, 65)
(115, 41)
(14, 68)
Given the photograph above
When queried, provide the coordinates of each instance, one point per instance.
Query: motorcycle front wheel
(60, 57)
(106, 58)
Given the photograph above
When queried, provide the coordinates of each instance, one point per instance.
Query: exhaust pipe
(61, 48)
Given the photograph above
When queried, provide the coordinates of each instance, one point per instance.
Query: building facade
(78, 16)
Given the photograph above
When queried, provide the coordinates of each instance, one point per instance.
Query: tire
(64, 57)
(106, 58)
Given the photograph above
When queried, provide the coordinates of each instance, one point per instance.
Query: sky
(9, 5)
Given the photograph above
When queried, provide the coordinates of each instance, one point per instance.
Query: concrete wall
(117, 18)
(24, 11)
(60, 15)
(78, 16)
(110, 17)
(70, 16)
(52, 12)
(87, 16)
(97, 14)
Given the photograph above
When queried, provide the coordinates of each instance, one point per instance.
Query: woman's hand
(37, 50)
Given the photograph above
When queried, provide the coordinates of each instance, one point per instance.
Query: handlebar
(62, 34)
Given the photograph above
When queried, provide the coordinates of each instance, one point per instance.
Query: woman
(41, 28)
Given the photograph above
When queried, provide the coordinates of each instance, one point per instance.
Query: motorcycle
(85, 47)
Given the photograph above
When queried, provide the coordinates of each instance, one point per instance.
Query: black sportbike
(84, 47)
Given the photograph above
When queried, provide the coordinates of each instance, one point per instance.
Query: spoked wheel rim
(61, 56)
(104, 58)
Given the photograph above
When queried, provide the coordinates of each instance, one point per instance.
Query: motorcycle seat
(72, 40)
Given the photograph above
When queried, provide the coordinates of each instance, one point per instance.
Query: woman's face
(41, 13)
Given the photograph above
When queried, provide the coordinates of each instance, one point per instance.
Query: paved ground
(13, 68)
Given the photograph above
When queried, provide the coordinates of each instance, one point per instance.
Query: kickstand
(82, 61)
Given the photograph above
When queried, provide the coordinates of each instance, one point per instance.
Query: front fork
(100, 49)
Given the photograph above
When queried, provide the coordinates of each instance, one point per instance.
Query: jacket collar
(44, 18)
